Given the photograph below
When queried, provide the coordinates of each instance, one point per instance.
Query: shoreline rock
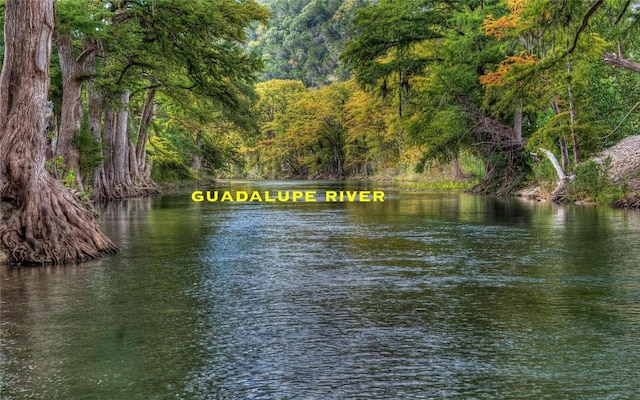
(623, 170)
(625, 162)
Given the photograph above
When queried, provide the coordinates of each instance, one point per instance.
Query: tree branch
(585, 23)
(556, 165)
(621, 62)
(624, 10)
(86, 53)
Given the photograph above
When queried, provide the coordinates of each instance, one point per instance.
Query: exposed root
(108, 190)
(630, 201)
(51, 226)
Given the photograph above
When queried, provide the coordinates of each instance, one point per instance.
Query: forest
(138, 93)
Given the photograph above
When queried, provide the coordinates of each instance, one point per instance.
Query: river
(422, 296)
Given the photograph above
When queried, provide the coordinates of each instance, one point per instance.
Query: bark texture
(74, 72)
(46, 222)
(124, 171)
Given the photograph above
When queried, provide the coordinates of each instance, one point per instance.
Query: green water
(426, 295)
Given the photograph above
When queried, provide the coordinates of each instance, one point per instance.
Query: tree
(47, 223)
(303, 133)
(304, 40)
(126, 53)
(382, 52)
(75, 18)
(373, 143)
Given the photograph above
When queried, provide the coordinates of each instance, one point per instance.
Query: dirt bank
(625, 162)
(624, 170)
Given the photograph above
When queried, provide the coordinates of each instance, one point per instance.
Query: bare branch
(624, 10)
(621, 62)
(585, 23)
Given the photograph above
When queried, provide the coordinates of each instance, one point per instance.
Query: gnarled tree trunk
(122, 173)
(47, 223)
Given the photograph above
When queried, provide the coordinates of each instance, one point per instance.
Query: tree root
(630, 201)
(51, 226)
(113, 191)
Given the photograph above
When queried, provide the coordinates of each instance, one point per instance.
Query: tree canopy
(157, 90)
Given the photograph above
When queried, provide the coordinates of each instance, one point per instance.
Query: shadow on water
(427, 295)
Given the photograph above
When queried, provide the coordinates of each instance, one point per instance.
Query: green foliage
(591, 183)
(614, 93)
(168, 165)
(543, 174)
(307, 139)
(69, 180)
(304, 39)
(205, 59)
(89, 149)
(412, 60)
(383, 54)
(56, 167)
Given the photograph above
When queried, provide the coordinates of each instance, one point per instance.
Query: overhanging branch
(621, 62)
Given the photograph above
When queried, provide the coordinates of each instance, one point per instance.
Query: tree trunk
(558, 194)
(458, 173)
(123, 173)
(95, 116)
(47, 223)
(143, 130)
(71, 112)
(141, 170)
(74, 72)
(120, 144)
(517, 123)
(113, 181)
(196, 160)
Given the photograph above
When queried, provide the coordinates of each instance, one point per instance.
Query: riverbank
(623, 170)
(611, 177)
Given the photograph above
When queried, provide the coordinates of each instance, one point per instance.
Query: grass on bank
(439, 177)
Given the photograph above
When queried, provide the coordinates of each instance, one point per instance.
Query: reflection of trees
(531, 295)
(117, 328)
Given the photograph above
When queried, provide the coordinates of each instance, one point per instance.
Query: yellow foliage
(505, 67)
(498, 27)
(412, 155)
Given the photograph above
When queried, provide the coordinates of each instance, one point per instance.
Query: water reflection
(423, 296)
(116, 328)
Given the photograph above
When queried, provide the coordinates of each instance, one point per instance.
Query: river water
(423, 296)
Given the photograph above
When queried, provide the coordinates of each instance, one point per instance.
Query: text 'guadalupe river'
(421, 296)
